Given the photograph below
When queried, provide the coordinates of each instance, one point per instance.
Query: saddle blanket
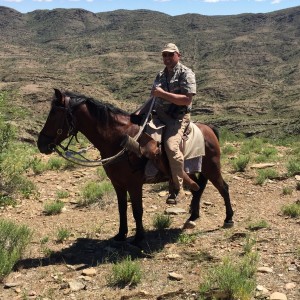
(193, 146)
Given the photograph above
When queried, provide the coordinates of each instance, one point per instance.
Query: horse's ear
(58, 95)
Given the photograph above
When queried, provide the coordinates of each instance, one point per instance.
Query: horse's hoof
(228, 224)
(189, 224)
(119, 238)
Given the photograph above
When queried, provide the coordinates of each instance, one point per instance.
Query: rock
(265, 270)
(9, 285)
(290, 286)
(297, 177)
(76, 286)
(175, 276)
(175, 211)
(162, 194)
(262, 166)
(261, 291)
(89, 272)
(278, 296)
(172, 256)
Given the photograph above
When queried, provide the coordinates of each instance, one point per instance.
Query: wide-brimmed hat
(170, 47)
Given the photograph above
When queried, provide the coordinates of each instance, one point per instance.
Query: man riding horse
(173, 89)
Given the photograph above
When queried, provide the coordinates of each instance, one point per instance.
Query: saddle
(150, 145)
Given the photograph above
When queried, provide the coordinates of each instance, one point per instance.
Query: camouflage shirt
(181, 81)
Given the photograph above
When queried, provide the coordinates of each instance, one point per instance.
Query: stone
(173, 256)
(175, 211)
(89, 272)
(262, 166)
(290, 286)
(278, 296)
(76, 286)
(175, 276)
(9, 285)
(261, 291)
(265, 270)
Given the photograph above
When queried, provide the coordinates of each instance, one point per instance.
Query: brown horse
(105, 126)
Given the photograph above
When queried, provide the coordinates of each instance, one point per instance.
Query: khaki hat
(170, 47)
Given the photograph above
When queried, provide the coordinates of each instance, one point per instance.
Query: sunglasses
(168, 54)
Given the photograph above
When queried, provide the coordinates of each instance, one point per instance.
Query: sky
(170, 7)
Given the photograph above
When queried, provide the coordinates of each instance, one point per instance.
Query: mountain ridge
(246, 65)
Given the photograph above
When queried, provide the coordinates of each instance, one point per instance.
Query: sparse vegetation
(13, 241)
(53, 207)
(292, 210)
(256, 225)
(232, 279)
(125, 273)
(62, 235)
(161, 221)
(265, 174)
(93, 192)
(240, 163)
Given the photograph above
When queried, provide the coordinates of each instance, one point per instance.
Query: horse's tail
(215, 130)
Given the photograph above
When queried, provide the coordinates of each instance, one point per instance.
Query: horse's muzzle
(45, 144)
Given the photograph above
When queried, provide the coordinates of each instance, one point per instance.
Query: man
(174, 88)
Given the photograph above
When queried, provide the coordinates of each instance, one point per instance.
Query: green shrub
(265, 174)
(161, 221)
(62, 194)
(287, 190)
(293, 166)
(234, 280)
(258, 225)
(53, 207)
(93, 192)
(62, 235)
(124, 273)
(38, 166)
(55, 163)
(291, 210)
(13, 241)
(228, 149)
(254, 145)
(185, 238)
(6, 200)
(267, 154)
(240, 163)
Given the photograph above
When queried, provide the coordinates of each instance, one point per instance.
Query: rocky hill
(247, 65)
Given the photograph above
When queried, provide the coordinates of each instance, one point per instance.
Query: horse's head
(58, 125)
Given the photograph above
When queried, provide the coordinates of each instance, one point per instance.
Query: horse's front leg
(122, 205)
(137, 210)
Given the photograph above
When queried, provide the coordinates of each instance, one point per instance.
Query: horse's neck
(106, 138)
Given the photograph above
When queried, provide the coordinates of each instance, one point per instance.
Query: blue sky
(171, 7)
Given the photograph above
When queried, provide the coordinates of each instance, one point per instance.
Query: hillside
(247, 66)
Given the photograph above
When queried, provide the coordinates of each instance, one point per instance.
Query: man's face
(170, 59)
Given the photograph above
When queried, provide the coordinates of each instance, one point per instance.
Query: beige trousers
(172, 137)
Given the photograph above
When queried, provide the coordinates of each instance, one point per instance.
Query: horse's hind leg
(195, 203)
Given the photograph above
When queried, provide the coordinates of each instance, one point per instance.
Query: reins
(71, 155)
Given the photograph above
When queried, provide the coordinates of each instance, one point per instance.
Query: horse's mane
(102, 111)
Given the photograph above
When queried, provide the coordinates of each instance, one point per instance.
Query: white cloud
(42, 0)
(276, 1)
(18, 1)
(216, 1)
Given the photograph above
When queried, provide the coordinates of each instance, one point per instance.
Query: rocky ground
(79, 267)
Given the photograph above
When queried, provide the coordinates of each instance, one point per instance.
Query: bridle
(69, 154)
(76, 156)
